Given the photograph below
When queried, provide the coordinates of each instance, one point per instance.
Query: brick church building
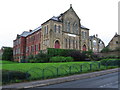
(64, 31)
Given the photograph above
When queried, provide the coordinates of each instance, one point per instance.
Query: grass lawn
(6, 62)
(51, 69)
(27, 66)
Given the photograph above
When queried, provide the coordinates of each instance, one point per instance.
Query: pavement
(47, 82)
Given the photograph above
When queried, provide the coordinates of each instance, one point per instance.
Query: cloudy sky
(16, 16)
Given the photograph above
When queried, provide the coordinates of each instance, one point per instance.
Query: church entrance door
(57, 44)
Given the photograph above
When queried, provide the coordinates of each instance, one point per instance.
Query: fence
(52, 72)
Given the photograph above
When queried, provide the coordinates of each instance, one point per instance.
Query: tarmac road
(104, 81)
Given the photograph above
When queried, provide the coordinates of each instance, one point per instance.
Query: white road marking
(109, 84)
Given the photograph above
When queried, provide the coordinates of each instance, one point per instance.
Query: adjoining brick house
(114, 44)
(64, 31)
(26, 44)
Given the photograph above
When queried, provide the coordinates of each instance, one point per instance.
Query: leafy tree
(106, 49)
(7, 54)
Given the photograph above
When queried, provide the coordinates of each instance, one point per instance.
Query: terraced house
(64, 31)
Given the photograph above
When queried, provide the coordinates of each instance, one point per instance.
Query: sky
(16, 16)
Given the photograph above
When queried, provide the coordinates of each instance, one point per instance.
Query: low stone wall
(117, 53)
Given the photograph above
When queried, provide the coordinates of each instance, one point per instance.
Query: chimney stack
(30, 30)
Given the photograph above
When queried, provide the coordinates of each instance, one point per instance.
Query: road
(105, 81)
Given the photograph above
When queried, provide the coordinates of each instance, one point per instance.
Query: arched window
(47, 30)
(68, 26)
(66, 41)
(76, 28)
(85, 34)
(82, 34)
(73, 44)
(69, 44)
(76, 44)
(55, 28)
(94, 42)
(59, 27)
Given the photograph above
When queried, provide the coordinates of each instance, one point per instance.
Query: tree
(7, 54)
(105, 50)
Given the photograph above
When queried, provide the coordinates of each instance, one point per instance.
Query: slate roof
(84, 27)
(26, 33)
(55, 18)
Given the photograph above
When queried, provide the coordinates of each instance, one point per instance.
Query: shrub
(69, 59)
(76, 55)
(32, 61)
(41, 58)
(30, 57)
(106, 49)
(13, 75)
(61, 59)
(111, 62)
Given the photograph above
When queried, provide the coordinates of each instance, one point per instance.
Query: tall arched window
(55, 27)
(66, 41)
(76, 28)
(69, 44)
(73, 44)
(76, 44)
(68, 26)
(82, 34)
(94, 42)
(59, 27)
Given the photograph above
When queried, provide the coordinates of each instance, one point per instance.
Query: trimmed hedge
(61, 59)
(58, 52)
(8, 75)
(75, 54)
(111, 62)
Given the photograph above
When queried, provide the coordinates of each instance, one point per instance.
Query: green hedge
(58, 52)
(111, 62)
(61, 59)
(8, 75)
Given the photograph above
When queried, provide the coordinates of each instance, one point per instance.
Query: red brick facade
(33, 43)
(28, 43)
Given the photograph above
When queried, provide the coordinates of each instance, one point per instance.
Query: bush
(39, 58)
(61, 59)
(111, 62)
(8, 76)
(91, 55)
(106, 49)
(76, 55)
(69, 59)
